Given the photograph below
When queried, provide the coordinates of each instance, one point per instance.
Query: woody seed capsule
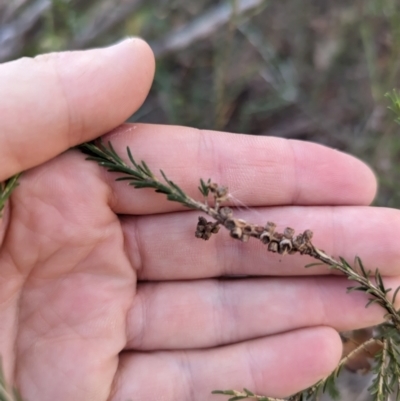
(226, 212)
(288, 233)
(236, 233)
(265, 237)
(273, 246)
(285, 246)
(245, 238)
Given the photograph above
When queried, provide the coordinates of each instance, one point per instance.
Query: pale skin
(105, 293)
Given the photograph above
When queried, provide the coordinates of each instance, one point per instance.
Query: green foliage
(204, 187)
(6, 189)
(376, 288)
(139, 176)
(7, 393)
(387, 370)
(394, 97)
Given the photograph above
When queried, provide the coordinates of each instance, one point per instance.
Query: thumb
(55, 101)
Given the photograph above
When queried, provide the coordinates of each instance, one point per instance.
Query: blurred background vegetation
(307, 69)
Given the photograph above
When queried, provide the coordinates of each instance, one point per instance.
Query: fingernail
(123, 41)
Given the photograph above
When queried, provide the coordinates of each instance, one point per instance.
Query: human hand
(105, 294)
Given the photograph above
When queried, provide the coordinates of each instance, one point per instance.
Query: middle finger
(163, 247)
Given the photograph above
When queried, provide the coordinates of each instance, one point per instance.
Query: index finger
(260, 171)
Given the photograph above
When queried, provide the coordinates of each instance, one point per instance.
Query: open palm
(105, 294)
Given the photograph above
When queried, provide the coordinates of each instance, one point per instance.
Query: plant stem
(140, 176)
(5, 190)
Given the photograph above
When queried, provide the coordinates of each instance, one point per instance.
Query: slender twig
(5, 190)
(284, 243)
(329, 380)
(7, 392)
(245, 394)
(140, 176)
(202, 27)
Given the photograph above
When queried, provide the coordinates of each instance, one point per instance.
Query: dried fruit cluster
(282, 243)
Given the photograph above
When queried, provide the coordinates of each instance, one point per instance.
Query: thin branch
(140, 176)
(6, 189)
(12, 34)
(312, 391)
(7, 392)
(323, 383)
(283, 243)
(202, 27)
(245, 394)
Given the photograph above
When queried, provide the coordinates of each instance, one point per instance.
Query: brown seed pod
(248, 229)
(265, 237)
(268, 233)
(270, 226)
(245, 238)
(288, 233)
(215, 228)
(308, 234)
(230, 224)
(201, 227)
(202, 222)
(199, 234)
(258, 230)
(285, 246)
(221, 192)
(213, 187)
(205, 228)
(273, 246)
(236, 233)
(226, 212)
(206, 236)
